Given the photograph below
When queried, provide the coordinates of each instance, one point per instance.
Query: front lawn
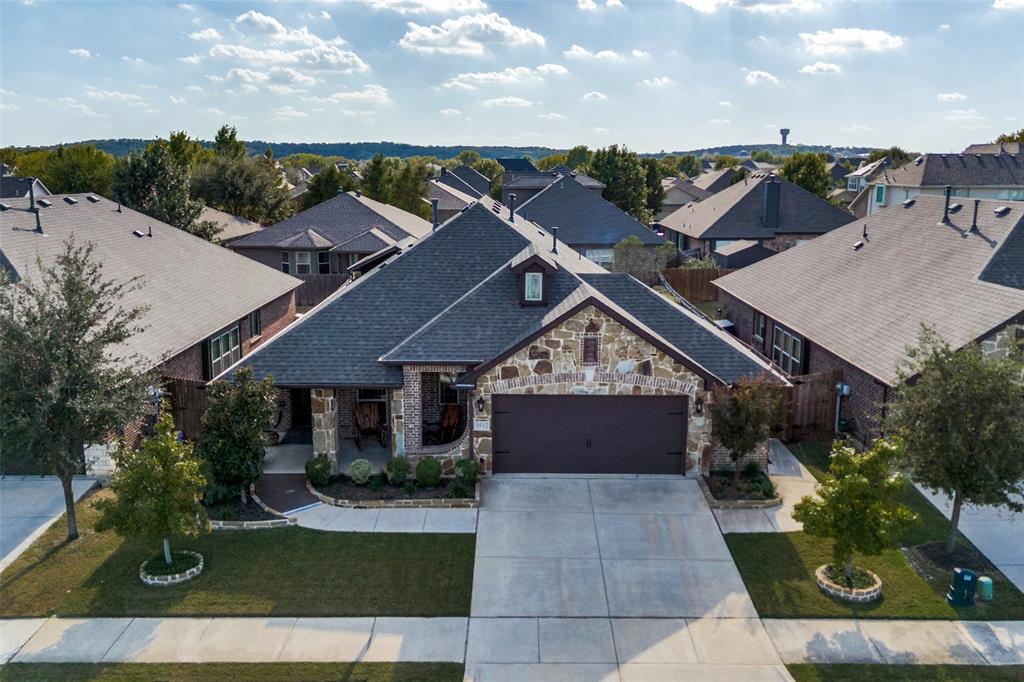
(227, 672)
(280, 572)
(778, 569)
(814, 672)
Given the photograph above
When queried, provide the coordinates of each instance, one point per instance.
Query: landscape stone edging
(847, 593)
(736, 504)
(436, 503)
(280, 522)
(173, 578)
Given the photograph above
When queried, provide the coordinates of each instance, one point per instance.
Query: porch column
(412, 408)
(324, 408)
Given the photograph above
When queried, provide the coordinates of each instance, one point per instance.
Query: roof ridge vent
(93, 199)
(4, 206)
(907, 203)
(45, 203)
(1001, 211)
(71, 200)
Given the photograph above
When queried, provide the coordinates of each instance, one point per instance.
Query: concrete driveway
(28, 506)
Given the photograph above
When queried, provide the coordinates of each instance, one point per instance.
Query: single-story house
(854, 299)
(207, 307)
(17, 187)
(525, 185)
(232, 227)
(763, 207)
(541, 360)
(587, 222)
(678, 193)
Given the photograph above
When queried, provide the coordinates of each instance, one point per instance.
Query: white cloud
(758, 77)
(8, 107)
(592, 5)
(580, 52)
(177, 100)
(595, 96)
(467, 35)
(756, 6)
(78, 106)
(818, 68)
(510, 76)
(551, 116)
(247, 75)
(943, 27)
(249, 87)
(194, 88)
(724, 103)
(552, 69)
(640, 54)
(657, 82)
(718, 121)
(450, 112)
(600, 130)
(213, 110)
(509, 101)
(284, 89)
(325, 15)
(1008, 4)
(968, 119)
(289, 113)
(257, 22)
(205, 34)
(191, 59)
(283, 73)
(132, 60)
(843, 40)
(81, 52)
(370, 94)
(857, 128)
(951, 97)
(113, 96)
(427, 6)
(187, 7)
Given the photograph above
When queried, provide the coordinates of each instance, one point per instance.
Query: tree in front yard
(742, 418)
(960, 416)
(157, 489)
(67, 380)
(644, 262)
(237, 413)
(855, 503)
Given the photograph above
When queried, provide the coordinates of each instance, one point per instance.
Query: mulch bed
(748, 488)
(342, 488)
(236, 511)
(932, 562)
(180, 562)
(861, 578)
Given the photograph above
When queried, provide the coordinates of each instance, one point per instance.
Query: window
(224, 351)
(371, 395)
(323, 261)
(353, 258)
(760, 325)
(255, 324)
(852, 184)
(286, 262)
(302, 263)
(787, 350)
(602, 257)
(880, 194)
(534, 286)
(446, 392)
(591, 354)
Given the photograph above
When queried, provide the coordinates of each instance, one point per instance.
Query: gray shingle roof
(994, 148)
(478, 181)
(452, 180)
(583, 218)
(448, 198)
(686, 186)
(15, 187)
(517, 165)
(541, 179)
(715, 180)
(338, 220)
(232, 226)
(866, 306)
(193, 288)
(959, 170)
(737, 213)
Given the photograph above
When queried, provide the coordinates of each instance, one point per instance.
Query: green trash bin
(985, 588)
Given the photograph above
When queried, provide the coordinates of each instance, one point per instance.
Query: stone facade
(997, 344)
(324, 406)
(627, 365)
(419, 394)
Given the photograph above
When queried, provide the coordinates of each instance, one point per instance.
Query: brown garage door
(589, 434)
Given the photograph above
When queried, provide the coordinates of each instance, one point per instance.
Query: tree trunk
(245, 498)
(69, 504)
(167, 551)
(736, 473)
(848, 570)
(954, 521)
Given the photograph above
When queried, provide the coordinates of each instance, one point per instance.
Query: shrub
(428, 472)
(458, 489)
(360, 471)
(409, 489)
(397, 470)
(376, 483)
(318, 471)
(466, 470)
(752, 470)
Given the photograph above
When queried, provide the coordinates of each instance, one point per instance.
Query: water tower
(785, 133)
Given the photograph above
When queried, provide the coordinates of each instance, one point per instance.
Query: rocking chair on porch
(444, 431)
(367, 423)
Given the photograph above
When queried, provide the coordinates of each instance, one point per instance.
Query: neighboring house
(232, 227)
(480, 183)
(588, 223)
(762, 207)
(976, 176)
(296, 193)
(715, 180)
(678, 193)
(320, 243)
(206, 306)
(858, 179)
(455, 181)
(449, 199)
(17, 187)
(855, 302)
(543, 361)
(837, 174)
(995, 148)
(525, 185)
(351, 170)
(740, 254)
(517, 165)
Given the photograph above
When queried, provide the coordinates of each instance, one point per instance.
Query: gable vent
(1001, 211)
(71, 200)
(93, 199)
(45, 203)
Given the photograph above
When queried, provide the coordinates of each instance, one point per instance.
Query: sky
(654, 75)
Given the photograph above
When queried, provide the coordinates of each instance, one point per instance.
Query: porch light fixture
(698, 406)
(480, 404)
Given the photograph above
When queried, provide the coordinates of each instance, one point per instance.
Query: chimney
(974, 220)
(945, 212)
(554, 240)
(770, 214)
(433, 215)
(512, 207)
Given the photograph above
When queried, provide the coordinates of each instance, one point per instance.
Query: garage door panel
(589, 434)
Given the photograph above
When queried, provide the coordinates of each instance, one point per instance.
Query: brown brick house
(854, 299)
(544, 361)
(208, 307)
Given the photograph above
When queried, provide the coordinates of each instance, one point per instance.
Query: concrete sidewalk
(343, 519)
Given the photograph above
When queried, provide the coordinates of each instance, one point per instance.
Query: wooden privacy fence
(694, 284)
(188, 402)
(812, 404)
(315, 288)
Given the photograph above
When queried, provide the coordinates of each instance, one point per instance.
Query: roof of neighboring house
(541, 179)
(449, 178)
(583, 217)
(17, 187)
(866, 305)
(193, 288)
(958, 170)
(337, 221)
(298, 190)
(517, 165)
(478, 181)
(232, 226)
(868, 169)
(836, 170)
(737, 212)
(410, 310)
(448, 198)
(995, 148)
(740, 253)
(715, 180)
(686, 186)
(736, 247)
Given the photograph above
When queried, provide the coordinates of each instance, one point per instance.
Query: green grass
(778, 569)
(811, 672)
(280, 572)
(240, 672)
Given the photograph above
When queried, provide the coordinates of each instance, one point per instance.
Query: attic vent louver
(93, 199)
(71, 200)
(907, 203)
(45, 203)
(4, 207)
(1001, 211)
(138, 233)
(857, 245)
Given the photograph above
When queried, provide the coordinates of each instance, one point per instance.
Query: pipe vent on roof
(71, 200)
(1001, 211)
